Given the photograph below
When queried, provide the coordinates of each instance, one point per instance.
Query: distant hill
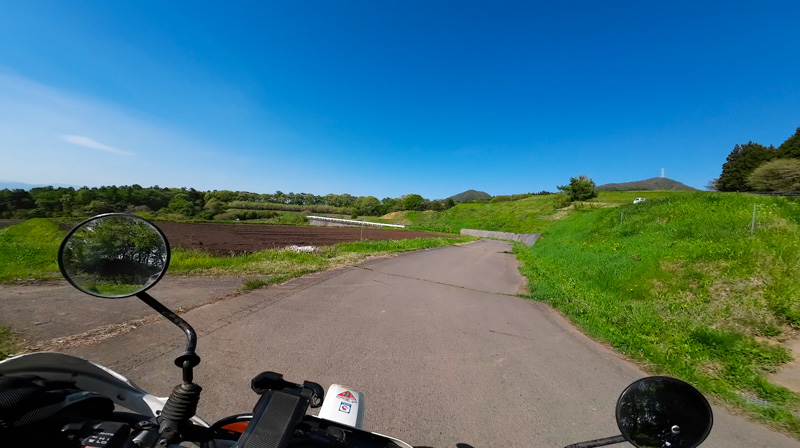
(654, 183)
(470, 195)
(11, 185)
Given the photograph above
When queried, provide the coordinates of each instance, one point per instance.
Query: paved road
(444, 354)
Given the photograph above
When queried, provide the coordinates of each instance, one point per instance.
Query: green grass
(272, 263)
(528, 215)
(28, 250)
(680, 286)
(9, 343)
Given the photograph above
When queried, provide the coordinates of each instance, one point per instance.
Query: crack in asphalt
(434, 281)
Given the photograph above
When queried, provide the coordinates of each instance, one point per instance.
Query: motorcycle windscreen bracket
(343, 405)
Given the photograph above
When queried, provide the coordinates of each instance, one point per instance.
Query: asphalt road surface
(445, 353)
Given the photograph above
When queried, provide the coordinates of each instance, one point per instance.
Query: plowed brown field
(240, 238)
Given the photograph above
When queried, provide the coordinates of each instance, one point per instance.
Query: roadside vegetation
(755, 167)
(532, 213)
(28, 250)
(679, 285)
(271, 265)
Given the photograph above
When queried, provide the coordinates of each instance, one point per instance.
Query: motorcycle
(77, 403)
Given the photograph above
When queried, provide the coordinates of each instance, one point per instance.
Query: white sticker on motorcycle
(345, 407)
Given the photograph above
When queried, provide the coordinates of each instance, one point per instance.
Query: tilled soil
(240, 238)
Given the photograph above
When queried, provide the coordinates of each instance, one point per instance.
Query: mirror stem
(598, 442)
(189, 359)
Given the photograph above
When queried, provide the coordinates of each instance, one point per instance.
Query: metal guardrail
(353, 222)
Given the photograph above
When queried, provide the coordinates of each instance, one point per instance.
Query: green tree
(214, 206)
(20, 199)
(366, 206)
(449, 203)
(790, 149)
(389, 205)
(781, 175)
(412, 202)
(580, 188)
(181, 203)
(740, 163)
(97, 207)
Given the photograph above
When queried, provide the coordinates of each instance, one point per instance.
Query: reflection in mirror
(663, 412)
(114, 256)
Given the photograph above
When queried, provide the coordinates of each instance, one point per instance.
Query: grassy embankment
(679, 285)
(28, 251)
(532, 214)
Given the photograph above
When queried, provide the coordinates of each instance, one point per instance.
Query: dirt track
(240, 238)
(9, 222)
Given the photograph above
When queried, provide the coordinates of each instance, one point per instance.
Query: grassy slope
(523, 216)
(28, 250)
(680, 286)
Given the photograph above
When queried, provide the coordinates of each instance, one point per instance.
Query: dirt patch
(788, 376)
(53, 310)
(9, 222)
(224, 239)
(394, 215)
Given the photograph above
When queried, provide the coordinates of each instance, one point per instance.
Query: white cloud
(87, 142)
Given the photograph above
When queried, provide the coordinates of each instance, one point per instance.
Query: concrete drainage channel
(526, 238)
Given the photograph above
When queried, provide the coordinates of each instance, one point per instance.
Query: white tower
(662, 172)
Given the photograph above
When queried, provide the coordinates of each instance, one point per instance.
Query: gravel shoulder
(51, 310)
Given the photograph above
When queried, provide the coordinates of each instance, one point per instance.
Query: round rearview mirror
(662, 412)
(114, 255)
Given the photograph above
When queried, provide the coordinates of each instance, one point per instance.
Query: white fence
(352, 222)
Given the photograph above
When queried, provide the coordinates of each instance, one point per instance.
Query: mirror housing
(660, 411)
(117, 255)
(114, 255)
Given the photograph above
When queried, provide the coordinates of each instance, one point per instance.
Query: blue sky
(386, 98)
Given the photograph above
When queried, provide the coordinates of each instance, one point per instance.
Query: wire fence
(792, 194)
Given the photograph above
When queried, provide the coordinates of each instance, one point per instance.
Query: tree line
(191, 203)
(755, 167)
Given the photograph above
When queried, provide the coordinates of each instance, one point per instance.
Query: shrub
(580, 188)
(782, 175)
(561, 200)
(252, 214)
(293, 219)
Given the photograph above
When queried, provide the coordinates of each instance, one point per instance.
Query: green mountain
(470, 195)
(654, 183)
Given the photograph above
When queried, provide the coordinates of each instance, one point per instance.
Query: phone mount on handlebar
(279, 410)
